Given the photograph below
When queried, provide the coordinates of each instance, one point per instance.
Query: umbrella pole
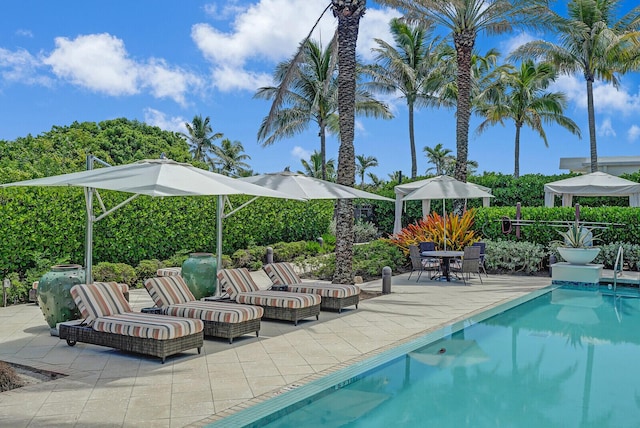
(219, 214)
(88, 247)
(444, 218)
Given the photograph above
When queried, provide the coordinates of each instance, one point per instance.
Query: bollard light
(386, 280)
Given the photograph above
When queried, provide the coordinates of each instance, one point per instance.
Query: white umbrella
(445, 187)
(152, 177)
(305, 187)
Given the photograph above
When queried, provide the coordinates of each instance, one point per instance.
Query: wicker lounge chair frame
(230, 331)
(154, 347)
(287, 314)
(327, 302)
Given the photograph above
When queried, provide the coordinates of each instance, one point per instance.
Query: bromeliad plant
(432, 228)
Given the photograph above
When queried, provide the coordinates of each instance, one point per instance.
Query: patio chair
(470, 264)
(173, 297)
(482, 246)
(422, 264)
(279, 305)
(334, 296)
(109, 321)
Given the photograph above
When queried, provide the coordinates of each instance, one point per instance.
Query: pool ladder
(617, 267)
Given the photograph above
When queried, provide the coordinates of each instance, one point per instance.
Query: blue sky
(164, 61)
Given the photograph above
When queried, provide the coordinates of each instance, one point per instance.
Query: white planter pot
(578, 256)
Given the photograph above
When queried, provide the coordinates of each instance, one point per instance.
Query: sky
(163, 62)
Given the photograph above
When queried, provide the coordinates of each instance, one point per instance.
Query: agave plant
(577, 236)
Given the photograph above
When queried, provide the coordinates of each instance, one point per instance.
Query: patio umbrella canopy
(304, 187)
(152, 177)
(595, 184)
(440, 187)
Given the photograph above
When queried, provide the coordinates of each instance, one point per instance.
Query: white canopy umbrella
(152, 177)
(304, 187)
(440, 187)
(595, 184)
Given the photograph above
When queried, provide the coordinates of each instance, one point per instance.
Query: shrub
(363, 231)
(146, 269)
(118, 272)
(177, 259)
(19, 290)
(514, 256)
(432, 228)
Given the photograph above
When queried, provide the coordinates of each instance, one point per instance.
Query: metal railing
(618, 267)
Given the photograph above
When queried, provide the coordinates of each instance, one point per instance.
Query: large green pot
(199, 272)
(54, 295)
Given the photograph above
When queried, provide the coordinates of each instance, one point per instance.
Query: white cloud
(607, 99)
(24, 33)
(633, 133)
(21, 66)
(606, 128)
(226, 11)
(100, 63)
(300, 153)
(157, 118)
(258, 35)
(511, 44)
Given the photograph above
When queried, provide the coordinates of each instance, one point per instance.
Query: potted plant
(577, 246)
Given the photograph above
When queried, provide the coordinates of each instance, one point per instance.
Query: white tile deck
(105, 387)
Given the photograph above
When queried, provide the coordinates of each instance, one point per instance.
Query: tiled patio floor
(105, 387)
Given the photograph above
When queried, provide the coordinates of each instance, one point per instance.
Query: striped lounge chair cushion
(219, 312)
(99, 299)
(168, 290)
(327, 290)
(278, 299)
(170, 271)
(236, 281)
(148, 326)
(282, 273)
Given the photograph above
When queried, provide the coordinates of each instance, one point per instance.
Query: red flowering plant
(432, 229)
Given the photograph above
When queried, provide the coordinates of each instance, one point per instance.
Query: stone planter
(199, 272)
(54, 295)
(579, 256)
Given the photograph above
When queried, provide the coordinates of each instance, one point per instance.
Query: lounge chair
(334, 296)
(109, 321)
(280, 305)
(173, 297)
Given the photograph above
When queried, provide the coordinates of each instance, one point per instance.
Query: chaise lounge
(109, 321)
(279, 305)
(334, 296)
(173, 297)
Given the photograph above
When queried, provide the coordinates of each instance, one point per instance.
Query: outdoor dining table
(446, 257)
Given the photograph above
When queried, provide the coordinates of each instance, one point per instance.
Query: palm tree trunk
(592, 127)
(348, 14)
(464, 42)
(323, 149)
(516, 167)
(412, 142)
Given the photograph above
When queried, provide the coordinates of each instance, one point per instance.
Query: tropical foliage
(593, 44)
(229, 158)
(457, 232)
(200, 136)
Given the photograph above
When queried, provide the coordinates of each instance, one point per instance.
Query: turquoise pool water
(565, 358)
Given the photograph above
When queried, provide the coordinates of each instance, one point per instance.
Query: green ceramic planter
(54, 295)
(199, 272)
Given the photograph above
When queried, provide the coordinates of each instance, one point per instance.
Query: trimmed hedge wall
(50, 222)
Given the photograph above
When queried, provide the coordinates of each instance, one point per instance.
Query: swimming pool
(559, 357)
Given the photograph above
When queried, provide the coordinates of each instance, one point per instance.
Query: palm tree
(438, 156)
(312, 96)
(413, 67)
(593, 44)
(363, 164)
(313, 167)
(376, 182)
(524, 100)
(200, 137)
(348, 13)
(465, 19)
(229, 158)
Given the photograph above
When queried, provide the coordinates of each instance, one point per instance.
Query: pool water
(568, 358)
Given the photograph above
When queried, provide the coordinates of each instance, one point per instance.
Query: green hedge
(50, 222)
